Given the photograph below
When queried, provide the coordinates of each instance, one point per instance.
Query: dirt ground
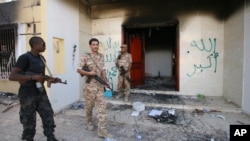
(206, 124)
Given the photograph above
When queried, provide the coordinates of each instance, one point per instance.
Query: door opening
(155, 57)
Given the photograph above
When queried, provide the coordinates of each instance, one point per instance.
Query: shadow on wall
(232, 6)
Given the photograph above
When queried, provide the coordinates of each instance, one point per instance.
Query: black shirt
(30, 65)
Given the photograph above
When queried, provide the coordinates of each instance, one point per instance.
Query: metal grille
(7, 49)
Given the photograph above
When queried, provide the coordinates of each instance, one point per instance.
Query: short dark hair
(35, 40)
(93, 40)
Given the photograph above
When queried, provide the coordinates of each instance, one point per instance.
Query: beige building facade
(202, 44)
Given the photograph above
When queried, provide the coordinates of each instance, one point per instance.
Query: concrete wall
(246, 79)
(61, 20)
(84, 35)
(201, 38)
(234, 53)
(57, 19)
(21, 13)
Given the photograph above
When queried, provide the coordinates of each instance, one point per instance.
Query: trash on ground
(138, 136)
(241, 122)
(138, 106)
(171, 111)
(77, 105)
(10, 106)
(164, 116)
(155, 112)
(135, 113)
(109, 139)
(220, 116)
(198, 112)
(6, 102)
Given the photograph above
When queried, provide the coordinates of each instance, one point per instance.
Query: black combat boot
(27, 139)
(51, 138)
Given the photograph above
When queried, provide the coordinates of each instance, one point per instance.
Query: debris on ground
(77, 105)
(138, 106)
(158, 83)
(10, 106)
(198, 111)
(135, 113)
(8, 99)
(241, 122)
(5, 102)
(167, 116)
(220, 116)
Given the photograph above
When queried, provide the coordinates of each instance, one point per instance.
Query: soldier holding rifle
(123, 64)
(93, 89)
(29, 70)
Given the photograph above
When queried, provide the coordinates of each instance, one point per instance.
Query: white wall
(246, 79)
(234, 59)
(201, 54)
(84, 36)
(195, 25)
(62, 21)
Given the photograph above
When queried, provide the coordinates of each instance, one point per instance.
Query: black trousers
(31, 101)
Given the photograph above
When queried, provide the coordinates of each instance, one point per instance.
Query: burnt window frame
(8, 40)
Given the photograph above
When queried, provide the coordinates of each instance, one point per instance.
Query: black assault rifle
(97, 78)
(123, 72)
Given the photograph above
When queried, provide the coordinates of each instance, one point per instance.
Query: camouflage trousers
(94, 96)
(123, 86)
(29, 105)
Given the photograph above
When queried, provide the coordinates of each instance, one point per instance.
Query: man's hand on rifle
(126, 74)
(56, 80)
(92, 73)
(38, 77)
(107, 85)
(52, 80)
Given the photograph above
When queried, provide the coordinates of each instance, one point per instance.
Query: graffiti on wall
(212, 57)
(111, 51)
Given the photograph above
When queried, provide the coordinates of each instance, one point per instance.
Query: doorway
(155, 56)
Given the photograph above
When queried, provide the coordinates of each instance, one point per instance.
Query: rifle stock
(123, 72)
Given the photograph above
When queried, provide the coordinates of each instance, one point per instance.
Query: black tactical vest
(36, 65)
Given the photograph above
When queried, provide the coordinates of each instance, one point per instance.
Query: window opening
(7, 49)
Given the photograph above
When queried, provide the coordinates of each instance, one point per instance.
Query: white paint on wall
(233, 61)
(63, 22)
(246, 79)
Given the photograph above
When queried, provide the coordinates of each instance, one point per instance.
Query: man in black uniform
(29, 70)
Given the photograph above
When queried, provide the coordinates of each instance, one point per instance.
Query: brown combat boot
(126, 99)
(102, 135)
(118, 96)
(90, 127)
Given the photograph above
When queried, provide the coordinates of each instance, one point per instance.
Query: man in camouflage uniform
(124, 61)
(29, 69)
(94, 90)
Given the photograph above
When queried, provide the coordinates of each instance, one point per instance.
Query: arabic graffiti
(212, 57)
(111, 51)
(111, 74)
